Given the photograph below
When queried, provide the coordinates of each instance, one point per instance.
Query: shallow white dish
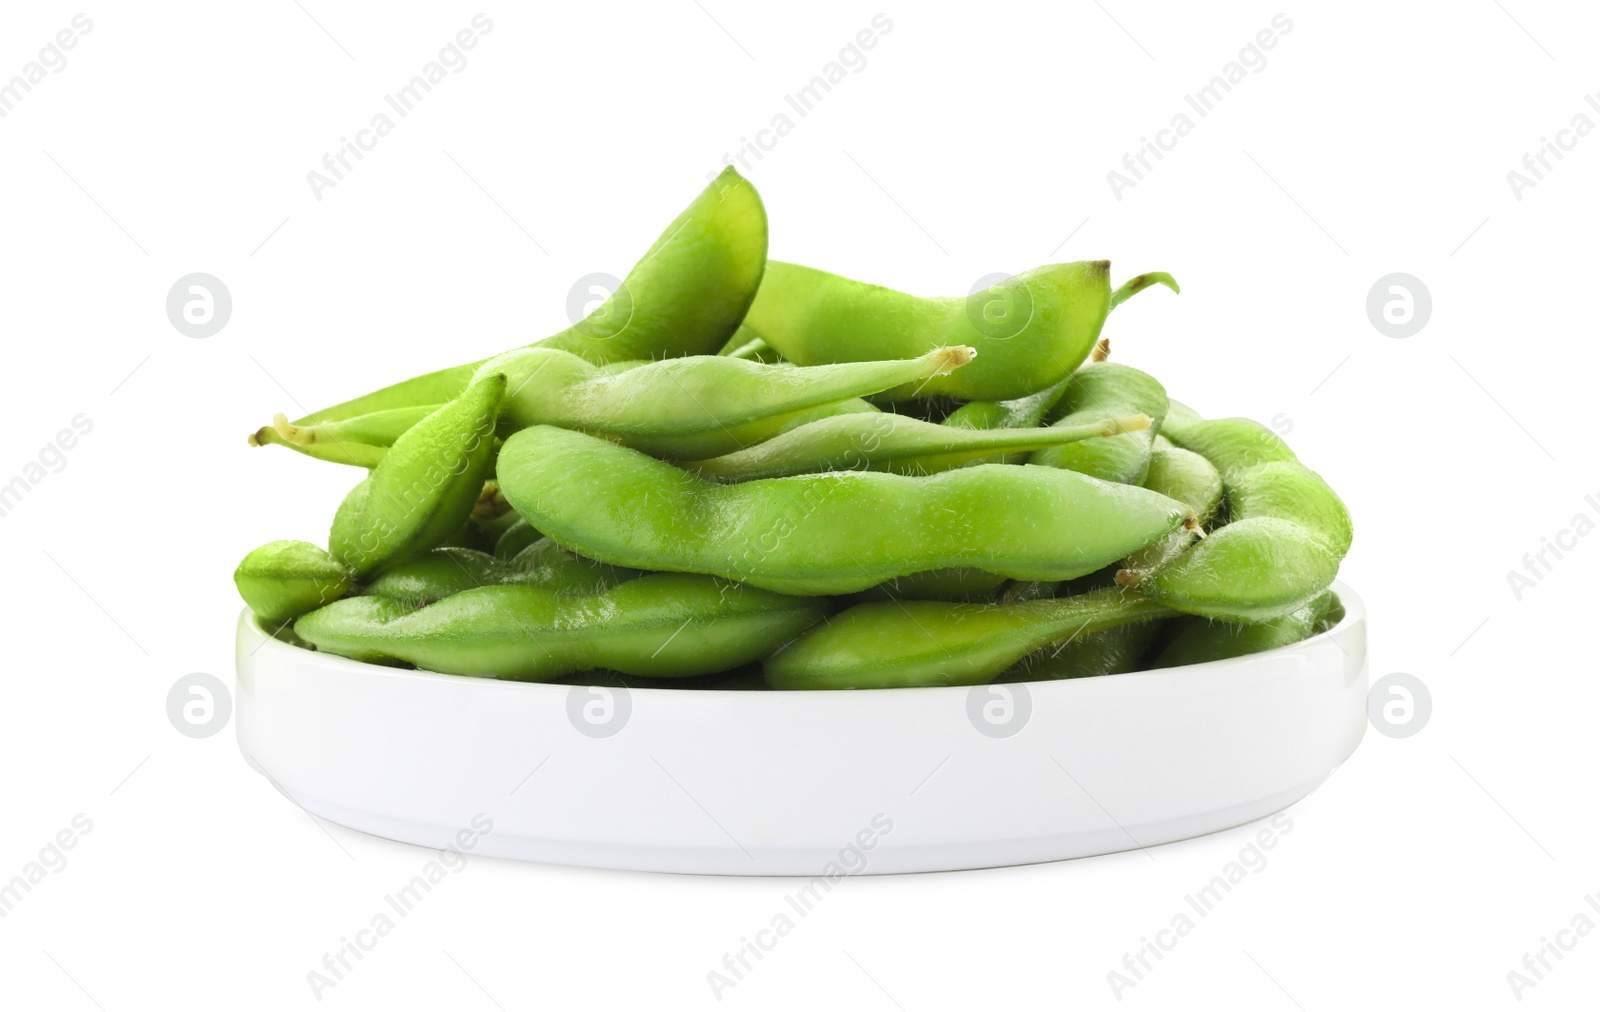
(802, 783)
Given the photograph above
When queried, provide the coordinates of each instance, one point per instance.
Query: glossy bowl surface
(802, 783)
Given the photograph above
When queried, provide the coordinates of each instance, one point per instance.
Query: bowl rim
(1355, 612)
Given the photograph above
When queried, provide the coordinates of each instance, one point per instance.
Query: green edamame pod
(915, 643)
(1100, 390)
(1286, 534)
(1180, 416)
(515, 538)
(1332, 615)
(445, 571)
(755, 350)
(425, 487)
(688, 293)
(663, 625)
(1192, 480)
(1030, 330)
(285, 579)
(686, 296)
(888, 442)
(437, 573)
(741, 337)
(1020, 413)
(695, 407)
(1088, 655)
(957, 583)
(546, 564)
(832, 533)
(359, 440)
(853, 406)
(1198, 639)
(1026, 412)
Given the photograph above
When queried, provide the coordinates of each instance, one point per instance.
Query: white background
(1376, 139)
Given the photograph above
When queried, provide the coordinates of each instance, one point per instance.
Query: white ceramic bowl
(802, 783)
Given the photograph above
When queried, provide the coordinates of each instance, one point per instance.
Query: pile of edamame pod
(741, 473)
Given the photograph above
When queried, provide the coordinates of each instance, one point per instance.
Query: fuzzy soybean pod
(888, 442)
(515, 538)
(885, 645)
(685, 296)
(755, 349)
(360, 440)
(1026, 412)
(445, 571)
(1030, 330)
(853, 406)
(658, 626)
(1111, 651)
(1100, 390)
(1019, 413)
(823, 534)
(425, 487)
(285, 579)
(691, 408)
(1198, 640)
(1287, 530)
(1189, 478)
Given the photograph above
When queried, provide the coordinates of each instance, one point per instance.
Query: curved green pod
(888, 442)
(689, 292)
(1026, 412)
(284, 579)
(885, 645)
(659, 626)
(853, 406)
(515, 538)
(425, 487)
(1030, 330)
(957, 583)
(1101, 390)
(436, 573)
(445, 571)
(695, 407)
(360, 440)
(685, 296)
(1192, 480)
(755, 350)
(1021, 413)
(1113, 651)
(1286, 534)
(1198, 639)
(833, 533)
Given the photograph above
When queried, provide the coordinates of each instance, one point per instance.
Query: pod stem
(1102, 347)
(1133, 577)
(316, 441)
(948, 360)
(1133, 286)
(1127, 423)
